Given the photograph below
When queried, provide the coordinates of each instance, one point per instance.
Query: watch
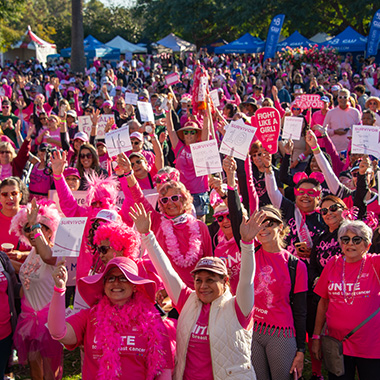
(37, 225)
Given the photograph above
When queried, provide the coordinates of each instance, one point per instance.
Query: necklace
(350, 299)
(172, 246)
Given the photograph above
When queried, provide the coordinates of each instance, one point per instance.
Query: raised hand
(95, 117)
(124, 163)
(60, 275)
(33, 213)
(229, 165)
(311, 139)
(141, 218)
(58, 162)
(288, 147)
(250, 228)
(364, 165)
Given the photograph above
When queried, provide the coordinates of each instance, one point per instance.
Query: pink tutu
(32, 338)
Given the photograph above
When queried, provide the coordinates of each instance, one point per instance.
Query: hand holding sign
(131, 98)
(206, 157)
(85, 124)
(215, 97)
(172, 79)
(309, 101)
(268, 128)
(146, 111)
(118, 141)
(365, 140)
(292, 128)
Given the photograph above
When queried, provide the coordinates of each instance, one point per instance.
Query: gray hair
(357, 227)
(345, 91)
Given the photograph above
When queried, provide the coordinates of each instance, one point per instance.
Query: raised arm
(245, 293)
(159, 160)
(270, 181)
(173, 283)
(58, 327)
(170, 126)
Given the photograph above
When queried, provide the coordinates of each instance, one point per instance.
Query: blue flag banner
(374, 35)
(273, 35)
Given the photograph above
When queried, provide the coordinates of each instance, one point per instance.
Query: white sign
(206, 158)
(68, 238)
(85, 124)
(365, 140)
(102, 125)
(131, 98)
(146, 111)
(215, 97)
(237, 140)
(118, 141)
(202, 90)
(292, 128)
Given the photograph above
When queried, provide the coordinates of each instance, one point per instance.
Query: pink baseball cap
(137, 135)
(91, 288)
(71, 171)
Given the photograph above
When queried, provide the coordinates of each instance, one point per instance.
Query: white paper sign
(292, 128)
(202, 90)
(131, 98)
(237, 140)
(206, 158)
(365, 140)
(118, 141)
(85, 124)
(68, 238)
(102, 125)
(215, 97)
(146, 111)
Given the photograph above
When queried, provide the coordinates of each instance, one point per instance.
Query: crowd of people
(180, 276)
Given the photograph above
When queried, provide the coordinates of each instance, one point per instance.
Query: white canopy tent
(125, 46)
(176, 44)
(29, 46)
(321, 37)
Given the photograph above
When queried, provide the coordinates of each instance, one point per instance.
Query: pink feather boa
(139, 314)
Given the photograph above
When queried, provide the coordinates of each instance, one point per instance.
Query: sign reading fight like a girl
(267, 121)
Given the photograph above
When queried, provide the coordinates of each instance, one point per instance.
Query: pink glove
(56, 317)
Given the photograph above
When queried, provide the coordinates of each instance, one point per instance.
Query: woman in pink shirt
(349, 287)
(122, 333)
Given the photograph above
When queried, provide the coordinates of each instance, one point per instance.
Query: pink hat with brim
(91, 288)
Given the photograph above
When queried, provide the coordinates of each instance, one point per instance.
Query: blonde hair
(187, 198)
(8, 145)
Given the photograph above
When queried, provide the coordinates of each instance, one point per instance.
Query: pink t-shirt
(145, 182)
(229, 252)
(6, 237)
(341, 316)
(5, 312)
(198, 358)
(134, 345)
(56, 135)
(184, 163)
(272, 288)
(39, 181)
(5, 171)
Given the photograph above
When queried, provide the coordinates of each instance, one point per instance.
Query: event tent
(30, 46)
(245, 44)
(295, 40)
(320, 37)
(348, 41)
(211, 47)
(176, 44)
(125, 46)
(94, 48)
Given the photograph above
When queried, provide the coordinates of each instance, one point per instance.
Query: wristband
(37, 225)
(231, 188)
(303, 350)
(314, 147)
(36, 235)
(146, 233)
(59, 290)
(224, 196)
(247, 242)
(316, 337)
(121, 176)
(301, 157)
(57, 177)
(129, 174)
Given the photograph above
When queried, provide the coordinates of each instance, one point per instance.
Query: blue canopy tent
(245, 44)
(294, 41)
(94, 48)
(211, 47)
(347, 41)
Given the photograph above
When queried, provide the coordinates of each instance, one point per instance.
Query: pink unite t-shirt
(5, 313)
(198, 358)
(341, 316)
(132, 350)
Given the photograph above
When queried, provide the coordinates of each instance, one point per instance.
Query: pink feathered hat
(48, 215)
(100, 188)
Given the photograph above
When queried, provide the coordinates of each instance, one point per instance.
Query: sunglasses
(354, 175)
(256, 155)
(27, 229)
(332, 208)
(6, 106)
(192, 132)
(7, 194)
(135, 142)
(356, 240)
(103, 249)
(85, 155)
(111, 279)
(5, 152)
(89, 111)
(342, 97)
(138, 162)
(296, 109)
(310, 192)
(269, 223)
(43, 118)
(173, 198)
(220, 218)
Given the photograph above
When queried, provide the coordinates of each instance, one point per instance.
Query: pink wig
(48, 215)
(101, 189)
(122, 238)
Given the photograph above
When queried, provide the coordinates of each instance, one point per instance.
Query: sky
(125, 3)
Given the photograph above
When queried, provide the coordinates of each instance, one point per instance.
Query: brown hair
(334, 199)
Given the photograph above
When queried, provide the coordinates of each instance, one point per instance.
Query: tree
(78, 62)
(9, 12)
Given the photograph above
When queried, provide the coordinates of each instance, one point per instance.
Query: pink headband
(302, 175)
(166, 177)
